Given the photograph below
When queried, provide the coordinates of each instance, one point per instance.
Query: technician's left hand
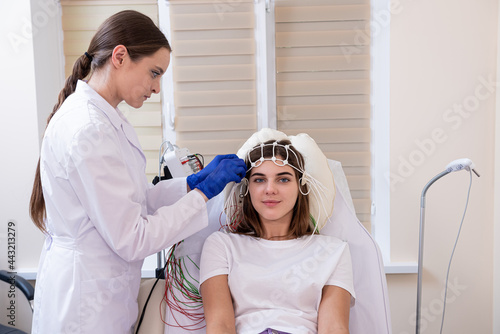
(194, 179)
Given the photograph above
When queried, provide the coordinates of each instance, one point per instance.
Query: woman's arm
(218, 305)
(333, 313)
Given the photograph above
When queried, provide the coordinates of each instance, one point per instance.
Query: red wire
(175, 281)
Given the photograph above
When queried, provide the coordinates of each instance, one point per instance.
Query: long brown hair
(142, 38)
(301, 219)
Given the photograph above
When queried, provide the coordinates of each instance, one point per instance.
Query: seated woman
(273, 270)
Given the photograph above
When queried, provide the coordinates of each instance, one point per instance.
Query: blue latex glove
(194, 179)
(228, 170)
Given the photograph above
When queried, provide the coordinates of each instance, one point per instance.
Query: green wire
(189, 287)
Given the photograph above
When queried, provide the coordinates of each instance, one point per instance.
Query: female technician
(91, 196)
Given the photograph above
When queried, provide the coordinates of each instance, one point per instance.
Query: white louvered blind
(323, 83)
(213, 64)
(80, 20)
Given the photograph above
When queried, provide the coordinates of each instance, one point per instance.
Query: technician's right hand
(194, 179)
(228, 170)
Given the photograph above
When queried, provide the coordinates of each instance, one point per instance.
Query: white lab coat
(104, 218)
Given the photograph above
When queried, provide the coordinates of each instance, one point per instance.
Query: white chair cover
(371, 311)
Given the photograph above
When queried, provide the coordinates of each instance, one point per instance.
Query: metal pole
(421, 246)
(160, 262)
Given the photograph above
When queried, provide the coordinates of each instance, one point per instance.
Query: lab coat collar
(112, 113)
(115, 116)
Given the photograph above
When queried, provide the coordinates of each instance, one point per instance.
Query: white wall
(443, 54)
(28, 77)
(496, 199)
(49, 56)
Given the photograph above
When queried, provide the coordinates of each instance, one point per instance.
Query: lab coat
(103, 217)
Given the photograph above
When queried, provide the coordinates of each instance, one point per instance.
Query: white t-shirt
(277, 284)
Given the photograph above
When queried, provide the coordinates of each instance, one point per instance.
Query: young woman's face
(273, 191)
(142, 78)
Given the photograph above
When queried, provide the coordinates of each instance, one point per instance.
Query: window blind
(80, 20)
(214, 74)
(323, 83)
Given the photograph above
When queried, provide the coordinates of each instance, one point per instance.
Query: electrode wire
(453, 252)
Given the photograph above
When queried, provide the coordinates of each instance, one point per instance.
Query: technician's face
(143, 78)
(273, 191)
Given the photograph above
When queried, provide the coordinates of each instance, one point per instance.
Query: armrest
(21, 283)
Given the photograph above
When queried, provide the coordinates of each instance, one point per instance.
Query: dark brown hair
(142, 38)
(301, 219)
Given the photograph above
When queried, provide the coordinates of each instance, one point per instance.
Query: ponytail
(81, 69)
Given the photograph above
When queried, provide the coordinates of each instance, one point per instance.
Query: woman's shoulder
(228, 239)
(220, 240)
(75, 115)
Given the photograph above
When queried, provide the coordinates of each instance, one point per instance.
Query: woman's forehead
(270, 168)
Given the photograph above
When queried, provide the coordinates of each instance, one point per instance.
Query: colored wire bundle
(182, 295)
(233, 206)
(194, 161)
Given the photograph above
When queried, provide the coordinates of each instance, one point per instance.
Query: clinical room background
(412, 87)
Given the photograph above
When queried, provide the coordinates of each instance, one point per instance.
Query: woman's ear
(118, 56)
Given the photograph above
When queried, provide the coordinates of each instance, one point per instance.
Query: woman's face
(273, 191)
(141, 79)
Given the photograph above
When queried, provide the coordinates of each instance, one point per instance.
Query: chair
(370, 312)
(19, 291)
